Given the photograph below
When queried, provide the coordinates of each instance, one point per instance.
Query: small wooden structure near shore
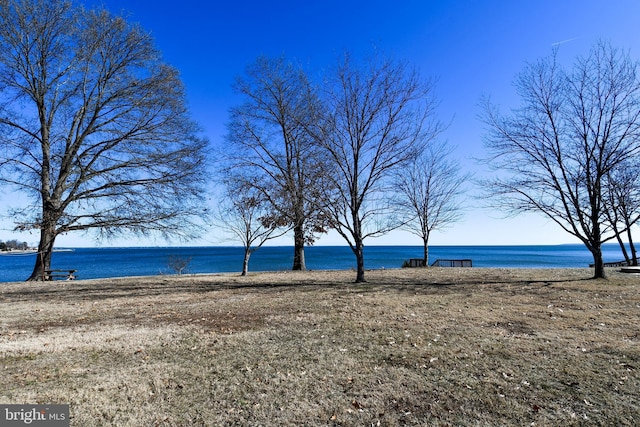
(625, 267)
(419, 262)
(416, 262)
(622, 263)
(60, 274)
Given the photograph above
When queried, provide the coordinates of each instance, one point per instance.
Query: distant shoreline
(19, 252)
(32, 251)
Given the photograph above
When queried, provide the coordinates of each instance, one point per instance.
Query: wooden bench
(416, 262)
(59, 274)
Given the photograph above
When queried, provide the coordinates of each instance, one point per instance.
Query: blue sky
(472, 48)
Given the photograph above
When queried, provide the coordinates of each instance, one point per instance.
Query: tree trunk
(45, 251)
(359, 252)
(425, 242)
(245, 261)
(299, 263)
(598, 263)
(623, 248)
(632, 247)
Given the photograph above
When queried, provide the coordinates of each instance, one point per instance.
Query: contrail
(564, 41)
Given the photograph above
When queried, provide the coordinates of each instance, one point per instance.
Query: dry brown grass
(474, 347)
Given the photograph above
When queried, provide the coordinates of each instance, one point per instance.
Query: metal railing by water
(452, 263)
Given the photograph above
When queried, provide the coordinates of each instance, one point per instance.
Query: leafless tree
(428, 192)
(379, 116)
(242, 212)
(269, 141)
(93, 126)
(623, 205)
(178, 263)
(553, 154)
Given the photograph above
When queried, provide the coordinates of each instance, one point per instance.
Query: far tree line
(13, 245)
(95, 131)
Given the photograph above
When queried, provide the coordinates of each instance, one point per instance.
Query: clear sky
(472, 48)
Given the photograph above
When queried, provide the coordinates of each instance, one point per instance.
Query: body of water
(118, 262)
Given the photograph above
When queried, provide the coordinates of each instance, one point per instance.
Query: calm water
(116, 262)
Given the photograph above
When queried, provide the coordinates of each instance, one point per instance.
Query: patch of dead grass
(409, 347)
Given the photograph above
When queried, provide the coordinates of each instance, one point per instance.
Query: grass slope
(470, 347)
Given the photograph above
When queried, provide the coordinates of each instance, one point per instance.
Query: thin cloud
(564, 41)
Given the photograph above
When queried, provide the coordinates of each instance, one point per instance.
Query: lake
(118, 262)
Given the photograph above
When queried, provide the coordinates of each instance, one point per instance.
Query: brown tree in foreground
(270, 142)
(93, 126)
(553, 154)
(379, 117)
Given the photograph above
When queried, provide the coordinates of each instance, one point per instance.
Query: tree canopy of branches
(93, 126)
(272, 148)
(623, 205)
(574, 127)
(379, 116)
(428, 192)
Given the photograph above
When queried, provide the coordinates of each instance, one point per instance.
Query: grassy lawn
(470, 347)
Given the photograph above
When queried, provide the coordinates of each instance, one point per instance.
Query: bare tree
(554, 153)
(93, 126)
(178, 263)
(243, 213)
(270, 143)
(623, 205)
(428, 192)
(379, 116)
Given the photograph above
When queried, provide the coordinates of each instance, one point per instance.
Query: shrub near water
(410, 347)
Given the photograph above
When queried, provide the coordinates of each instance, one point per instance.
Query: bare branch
(553, 154)
(94, 126)
(381, 115)
(271, 145)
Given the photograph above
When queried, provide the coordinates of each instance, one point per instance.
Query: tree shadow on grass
(170, 285)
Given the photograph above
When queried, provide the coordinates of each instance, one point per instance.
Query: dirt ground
(430, 346)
